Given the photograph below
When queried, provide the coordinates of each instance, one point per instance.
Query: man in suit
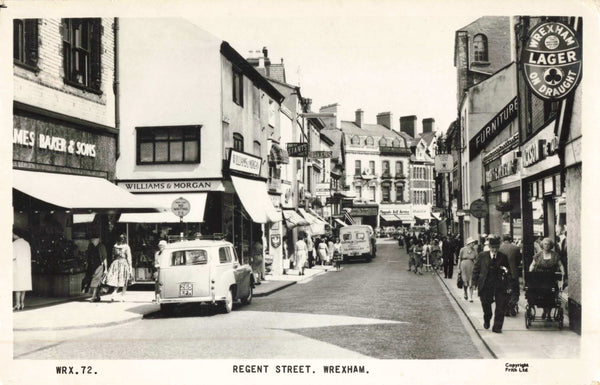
(491, 276)
(514, 260)
(448, 257)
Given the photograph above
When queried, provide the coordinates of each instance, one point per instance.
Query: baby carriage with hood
(542, 291)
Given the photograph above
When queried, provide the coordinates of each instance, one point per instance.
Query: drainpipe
(116, 88)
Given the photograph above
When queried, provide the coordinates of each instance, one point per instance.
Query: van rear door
(185, 274)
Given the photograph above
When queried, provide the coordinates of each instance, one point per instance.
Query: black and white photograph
(299, 192)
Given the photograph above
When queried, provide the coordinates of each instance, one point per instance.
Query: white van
(357, 242)
(202, 271)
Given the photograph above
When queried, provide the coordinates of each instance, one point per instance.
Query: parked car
(204, 271)
(357, 241)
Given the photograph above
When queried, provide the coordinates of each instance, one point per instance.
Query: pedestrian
(323, 252)
(491, 275)
(447, 257)
(330, 250)
(257, 262)
(310, 245)
(466, 260)
(157, 256)
(96, 266)
(549, 261)
(120, 272)
(21, 267)
(418, 257)
(300, 253)
(407, 242)
(562, 250)
(513, 253)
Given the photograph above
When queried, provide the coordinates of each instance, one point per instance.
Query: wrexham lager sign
(552, 61)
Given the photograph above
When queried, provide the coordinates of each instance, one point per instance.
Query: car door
(185, 273)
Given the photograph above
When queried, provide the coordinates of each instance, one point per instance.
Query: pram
(542, 291)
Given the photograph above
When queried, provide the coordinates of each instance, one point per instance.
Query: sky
(369, 55)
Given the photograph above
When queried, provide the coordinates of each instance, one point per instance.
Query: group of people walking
(308, 252)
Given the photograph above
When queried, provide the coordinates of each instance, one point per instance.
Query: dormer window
(370, 141)
(480, 48)
(355, 140)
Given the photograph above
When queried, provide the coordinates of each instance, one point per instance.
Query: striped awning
(339, 222)
(293, 219)
(278, 155)
(389, 217)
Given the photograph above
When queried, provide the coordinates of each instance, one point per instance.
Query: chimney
(408, 125)
(331, 123)
(428, 125)
(386, 119)
(359, 117)
(307, 102)
(265, 52)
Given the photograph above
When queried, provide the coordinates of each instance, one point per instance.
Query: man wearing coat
(514, 260)
(491, 276)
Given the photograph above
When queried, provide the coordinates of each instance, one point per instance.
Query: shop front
(365, 213)
(397, 215)
(63, 195)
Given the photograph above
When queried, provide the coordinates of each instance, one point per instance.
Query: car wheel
(228, 303)
(248, 299)
(167, 309)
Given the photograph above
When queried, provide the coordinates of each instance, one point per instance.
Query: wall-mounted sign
(319, 154)
(298, 150)
(508, 166)
(240, 161)
(552, 60)
(143, 186)
(363, 211)
(53, 143)
(493, 128)
(322, 190)
(444, 163)
(538, 150)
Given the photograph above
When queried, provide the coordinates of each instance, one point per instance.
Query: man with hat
(491, 275)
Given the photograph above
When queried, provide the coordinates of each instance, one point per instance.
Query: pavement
(514, 342)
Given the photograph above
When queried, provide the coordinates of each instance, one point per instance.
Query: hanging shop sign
(364, 211)
(319, 154)
(493, 128)
(181, 207)
(297, 150)
(478, 208)
(240, 161)
(552, 61)
(322, 190)
(443, 163)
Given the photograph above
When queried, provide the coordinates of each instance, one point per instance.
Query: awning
(80, 193)
(256, 200)
(317, 226)
(406, 218)
(314, 214)
(278, 155)
(293, 219)
(83, 218)
(389, 217)
(196, 214)
(422, 218)
(341, 223)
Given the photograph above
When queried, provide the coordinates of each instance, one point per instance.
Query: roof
(335, 136)
(428, 137)
(197, 243)
(351, 128)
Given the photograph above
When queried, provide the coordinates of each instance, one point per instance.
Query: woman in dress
(21, 268)
(120, 271)
(301, 253)
(549, 261)
(323, 252)
(96, 265)
(466, 261)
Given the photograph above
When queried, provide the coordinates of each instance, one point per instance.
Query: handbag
(459, 281)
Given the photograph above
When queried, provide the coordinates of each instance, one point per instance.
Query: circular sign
(180, 207)
(552, 60)
(478, 208)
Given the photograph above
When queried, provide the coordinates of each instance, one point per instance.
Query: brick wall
(46, 89)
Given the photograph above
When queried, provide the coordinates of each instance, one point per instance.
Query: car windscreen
(189, 257)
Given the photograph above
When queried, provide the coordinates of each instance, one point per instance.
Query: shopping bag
(459, 281)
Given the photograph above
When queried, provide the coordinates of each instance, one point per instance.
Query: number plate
(186, 289)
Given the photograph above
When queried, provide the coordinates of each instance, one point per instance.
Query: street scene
(210, 193)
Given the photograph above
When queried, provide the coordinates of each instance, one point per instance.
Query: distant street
(376, 310)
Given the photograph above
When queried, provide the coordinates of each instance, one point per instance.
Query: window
(399, 193)
(355, 140)
(385, 167)
(397, 143)
(373, 193)
(347, 236)
(358, 192)
(177, 144)
(357, 167)
(238, 142)
(257, 149)
(370, 141)
(189, 257)
(81, 52)
(385, 193)
(238, 87)
(25, 41)
(372, 167)
(225, 255)
(383, 142)
(480, 48)
(399, 168)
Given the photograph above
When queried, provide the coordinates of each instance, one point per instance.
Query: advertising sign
(319, 154)
(493, 128)
(552, 61)
(240, 161)
(297, 150)
(322, 190)
(478, 208)
(444, 163)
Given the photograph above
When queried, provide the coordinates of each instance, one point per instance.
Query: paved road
(375, 309)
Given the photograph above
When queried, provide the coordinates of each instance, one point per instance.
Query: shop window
(177, 144)
(238, 87)
(81, 52)
(238, 142)
(357, 170)
(480, 48)
(25, 42)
